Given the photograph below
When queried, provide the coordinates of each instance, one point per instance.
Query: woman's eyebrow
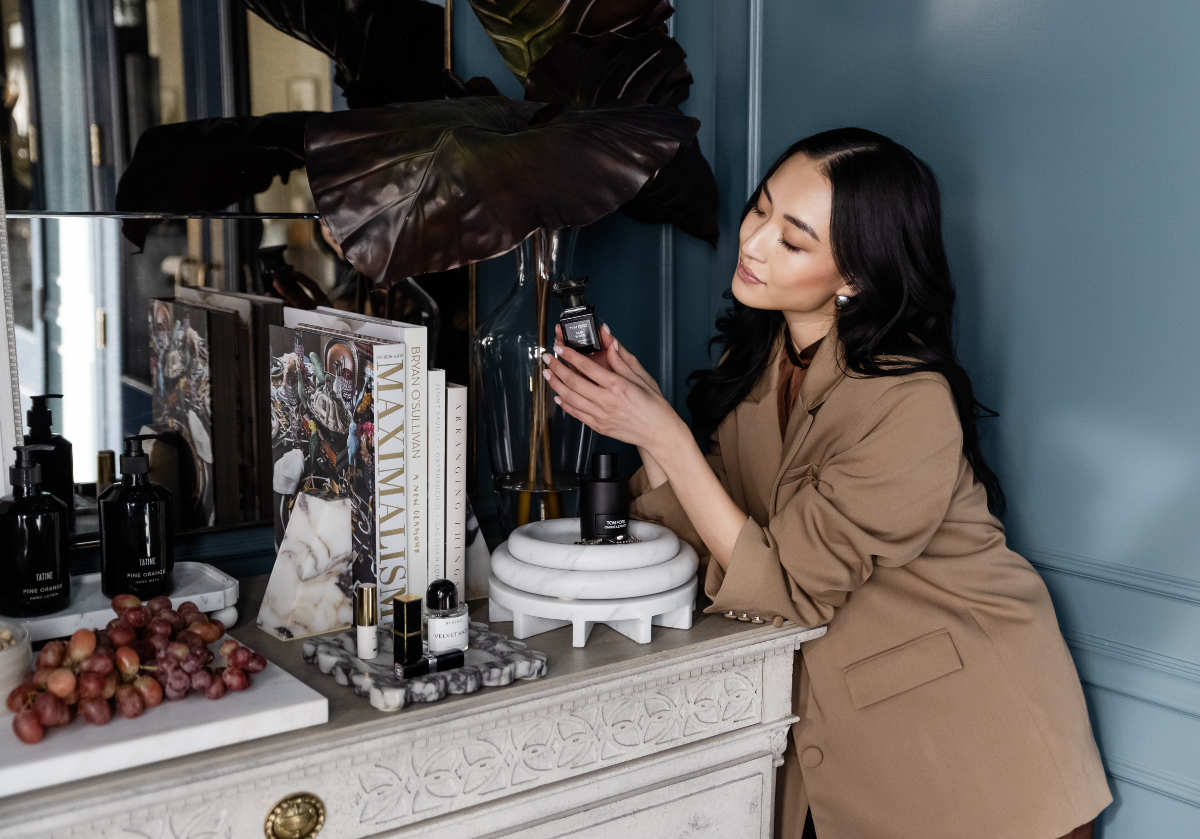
(800, 224)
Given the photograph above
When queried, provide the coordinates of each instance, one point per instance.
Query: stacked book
(353, 410)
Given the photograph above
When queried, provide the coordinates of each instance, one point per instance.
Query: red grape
(50, 709)
(159, 643)
(256, 664)
(227, 647)
(81, 645)
(220, 625)
(188, 637)
(61, 682)
(201, 679)
(125, 601)
(173, 694)
(52, 654)
(95, 711)
(100, 662)
(128, 662)
(207, 631)
(110, 684)
(122, 635)
(192, 664)
(150, 689)
(41, 675)
(129, 702)
(161, 626)
(21, 697)
(27, 727)
(91, 685)
(235, 678)
(144, 649)
(215, 690)
(241, 657)
(178, 681)
(137, 617)
(157, 604)
(173, 618)
(179, 651)
(187, 606)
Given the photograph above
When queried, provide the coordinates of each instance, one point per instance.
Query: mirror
(82, 81)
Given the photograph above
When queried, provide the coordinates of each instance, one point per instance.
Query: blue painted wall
(1064, 135)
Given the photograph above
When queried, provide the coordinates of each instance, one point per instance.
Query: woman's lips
(747, 276)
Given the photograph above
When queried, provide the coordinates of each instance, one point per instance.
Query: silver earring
(841, 300)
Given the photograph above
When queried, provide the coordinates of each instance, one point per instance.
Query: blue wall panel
(1064, 137)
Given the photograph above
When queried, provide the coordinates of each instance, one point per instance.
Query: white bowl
(16, 660)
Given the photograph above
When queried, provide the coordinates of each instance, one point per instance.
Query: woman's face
(785, 261)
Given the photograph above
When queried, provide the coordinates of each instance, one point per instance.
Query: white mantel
(676, 738)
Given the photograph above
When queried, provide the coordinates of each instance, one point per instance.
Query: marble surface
(491, 661)
(211, 590)
(275, 702)
(551, 543)
(633, 617)
(308, 593)
(579, 584)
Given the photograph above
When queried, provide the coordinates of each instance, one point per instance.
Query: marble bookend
(493, 660)
(308, 592)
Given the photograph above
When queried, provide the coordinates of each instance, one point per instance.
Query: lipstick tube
(406, 630)
(366, 620)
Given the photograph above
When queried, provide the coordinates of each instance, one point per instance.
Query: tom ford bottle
(34, 579)
(137, 551)
(578, 319)
(603, 502)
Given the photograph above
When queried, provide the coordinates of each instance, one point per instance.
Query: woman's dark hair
(886, 237)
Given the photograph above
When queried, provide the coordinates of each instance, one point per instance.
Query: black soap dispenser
(137, 543)
(603, 502)
(35, 580)
(53, 454)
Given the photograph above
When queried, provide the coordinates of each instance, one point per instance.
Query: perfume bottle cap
(442, 595)
(25, 472)
(604, 466)
(571, 291)
(366, 604)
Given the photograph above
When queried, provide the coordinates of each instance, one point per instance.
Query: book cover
(456, 486)
(437, 475)
(184, 372)
(391, 480)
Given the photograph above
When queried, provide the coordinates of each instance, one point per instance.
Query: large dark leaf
(684, 194)
(208, 164)
(428, 186)
(525, 30)
(612, 69)
(384, 50)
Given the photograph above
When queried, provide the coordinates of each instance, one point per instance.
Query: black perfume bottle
(136, 529)
(578, 319)
(53, 454)
(603, 502)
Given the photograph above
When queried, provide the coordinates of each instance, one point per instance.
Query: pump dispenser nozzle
(134, 460)
(25, 471)
(40, 418)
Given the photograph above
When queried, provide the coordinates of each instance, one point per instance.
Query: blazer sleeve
(660, 505)
(879, 501)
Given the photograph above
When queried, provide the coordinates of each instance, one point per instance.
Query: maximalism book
(391, 476)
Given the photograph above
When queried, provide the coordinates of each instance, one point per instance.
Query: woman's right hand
(624, 363)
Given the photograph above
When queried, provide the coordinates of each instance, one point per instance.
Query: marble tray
(211, 590)
(492, 660)
(276, 701)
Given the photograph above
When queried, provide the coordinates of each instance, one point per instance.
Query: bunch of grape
(147, 652)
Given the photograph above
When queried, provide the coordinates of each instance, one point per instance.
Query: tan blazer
(943, 701)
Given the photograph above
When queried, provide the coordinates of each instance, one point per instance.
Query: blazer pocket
(899, 669)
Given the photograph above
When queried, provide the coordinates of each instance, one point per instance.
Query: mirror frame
(10, 389)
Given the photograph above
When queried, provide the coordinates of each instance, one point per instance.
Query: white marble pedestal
(542, 580)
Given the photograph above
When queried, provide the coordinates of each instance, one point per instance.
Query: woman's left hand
(618, 406)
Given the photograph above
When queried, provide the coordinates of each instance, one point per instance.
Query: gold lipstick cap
(366, 605)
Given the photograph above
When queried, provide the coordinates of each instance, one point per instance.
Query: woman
(843, 484)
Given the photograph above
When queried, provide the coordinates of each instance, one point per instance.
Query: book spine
(437, 474)
(456, 487)
(416, 425)
(391, 475)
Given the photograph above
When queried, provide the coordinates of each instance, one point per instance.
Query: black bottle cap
(571, 292)
(441, 595)
(134, 460)
(604, 466)
(39, 416)
(25, 472)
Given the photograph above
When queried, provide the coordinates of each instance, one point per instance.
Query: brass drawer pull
(299, 816)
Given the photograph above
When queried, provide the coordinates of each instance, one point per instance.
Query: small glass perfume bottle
(578, 319)
(445, 619)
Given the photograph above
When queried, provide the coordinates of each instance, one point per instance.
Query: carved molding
(546, 748)
(778, 744)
